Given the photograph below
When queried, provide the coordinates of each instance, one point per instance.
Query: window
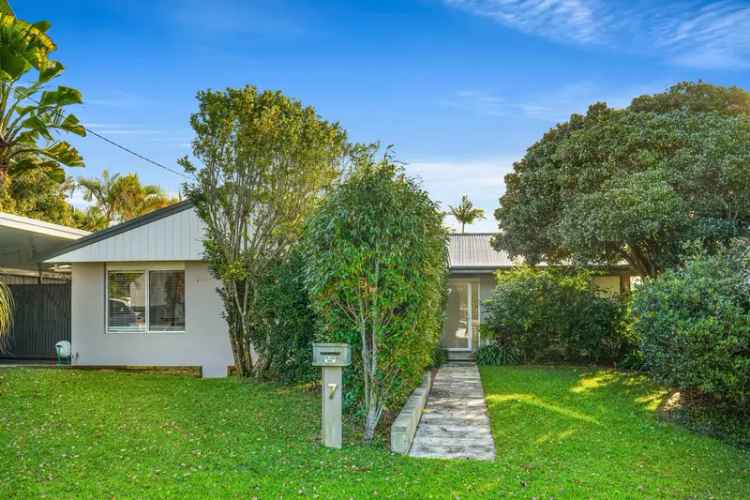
(166, 301)
(151, 300)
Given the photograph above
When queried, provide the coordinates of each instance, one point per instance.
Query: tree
(376, 264)
(33, 194)
(266, 160)
(121, 198)
(466, 213)
(630, 184)
(28, 124)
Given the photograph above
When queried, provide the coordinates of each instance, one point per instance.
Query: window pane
(166, 297)
(127, 301)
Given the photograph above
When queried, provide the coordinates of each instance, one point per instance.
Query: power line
(137, 155)
(126, 149)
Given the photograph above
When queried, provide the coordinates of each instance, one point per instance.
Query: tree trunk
(371, 420)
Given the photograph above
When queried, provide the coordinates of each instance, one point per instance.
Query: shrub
(285, 323)
(548, 315)
(376, 265)
(694, 326)
(497, 354)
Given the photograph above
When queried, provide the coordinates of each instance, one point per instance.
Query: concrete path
(454, 423)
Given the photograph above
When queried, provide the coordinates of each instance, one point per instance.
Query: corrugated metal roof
(474, 251)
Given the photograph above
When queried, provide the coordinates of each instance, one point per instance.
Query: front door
(462, 316)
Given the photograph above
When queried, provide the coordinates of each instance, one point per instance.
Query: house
(143, 295)
(41, 292)
(473, 266)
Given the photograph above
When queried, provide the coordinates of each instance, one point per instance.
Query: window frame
(146, 269)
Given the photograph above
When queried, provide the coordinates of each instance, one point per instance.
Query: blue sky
(460, 87)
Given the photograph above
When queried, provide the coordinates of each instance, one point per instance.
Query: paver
(454, 423)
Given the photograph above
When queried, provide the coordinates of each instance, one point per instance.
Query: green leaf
(72, 125)
(62, 96)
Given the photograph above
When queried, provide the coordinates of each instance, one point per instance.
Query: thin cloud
(686, 33)
(556, 19)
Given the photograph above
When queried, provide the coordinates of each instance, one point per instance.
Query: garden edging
(405, 426)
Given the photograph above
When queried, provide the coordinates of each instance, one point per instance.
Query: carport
(41, 293)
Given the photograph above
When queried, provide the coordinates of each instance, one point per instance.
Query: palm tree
(31, 114)
(120, 198)
(465, 213)
(6, 315)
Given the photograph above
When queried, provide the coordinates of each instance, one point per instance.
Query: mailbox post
(332, 358)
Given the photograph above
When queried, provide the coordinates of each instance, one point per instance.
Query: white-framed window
(145, 299)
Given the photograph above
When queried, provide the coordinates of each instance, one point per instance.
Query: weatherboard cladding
(174, 233)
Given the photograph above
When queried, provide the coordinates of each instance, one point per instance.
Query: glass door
(459, 322)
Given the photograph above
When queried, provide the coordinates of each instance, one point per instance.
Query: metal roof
(24, 241)
(473, 251)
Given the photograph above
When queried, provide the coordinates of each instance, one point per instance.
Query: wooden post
(331, 416)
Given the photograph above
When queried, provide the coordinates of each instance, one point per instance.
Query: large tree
(31, 113)
(265, 161)
(633, 184)
(376, 263)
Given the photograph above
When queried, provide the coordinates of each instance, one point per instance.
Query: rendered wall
(205, 342)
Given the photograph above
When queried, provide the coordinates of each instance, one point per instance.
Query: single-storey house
(142, 294)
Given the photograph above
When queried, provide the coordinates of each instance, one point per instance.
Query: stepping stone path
(454, 422)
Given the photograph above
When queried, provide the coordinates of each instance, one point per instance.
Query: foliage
(266, 161)
(439, 357)
(559, 432)
(632, 184)
(696, 97)
(466, 212)
(31, 114)
(496, 354)
(6, 314)
(376, 268)
(33, 194)
(694, 326)
(286, 323)
(555, 315)
(121, 198)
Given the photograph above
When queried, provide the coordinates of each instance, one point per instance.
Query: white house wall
(176, 237)
(205, 342)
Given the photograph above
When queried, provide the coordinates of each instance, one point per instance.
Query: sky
(460, 88)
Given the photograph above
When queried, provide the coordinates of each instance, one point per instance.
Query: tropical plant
(6, 315)
(632, 184)
(30, 114)
(121, 198)
(266, 160)
(465, 212)
(693, 323)
(33, 194)
(375, 255)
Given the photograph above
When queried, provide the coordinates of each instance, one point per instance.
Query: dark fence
(41, 319)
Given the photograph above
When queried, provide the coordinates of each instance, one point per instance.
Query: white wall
(205, 342)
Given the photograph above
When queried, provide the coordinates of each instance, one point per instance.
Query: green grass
(561, 432)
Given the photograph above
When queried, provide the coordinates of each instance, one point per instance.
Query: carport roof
(25, 241)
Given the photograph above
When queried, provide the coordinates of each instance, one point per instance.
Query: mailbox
(332, 355)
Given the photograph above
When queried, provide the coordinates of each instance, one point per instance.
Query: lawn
(562, 432)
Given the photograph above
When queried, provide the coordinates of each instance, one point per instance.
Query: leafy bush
(376, 266)
(694, 326)
(285, 324)
(497, 354)
(554, 315)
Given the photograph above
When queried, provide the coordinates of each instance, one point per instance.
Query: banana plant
(32, 115)
(6, 315)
